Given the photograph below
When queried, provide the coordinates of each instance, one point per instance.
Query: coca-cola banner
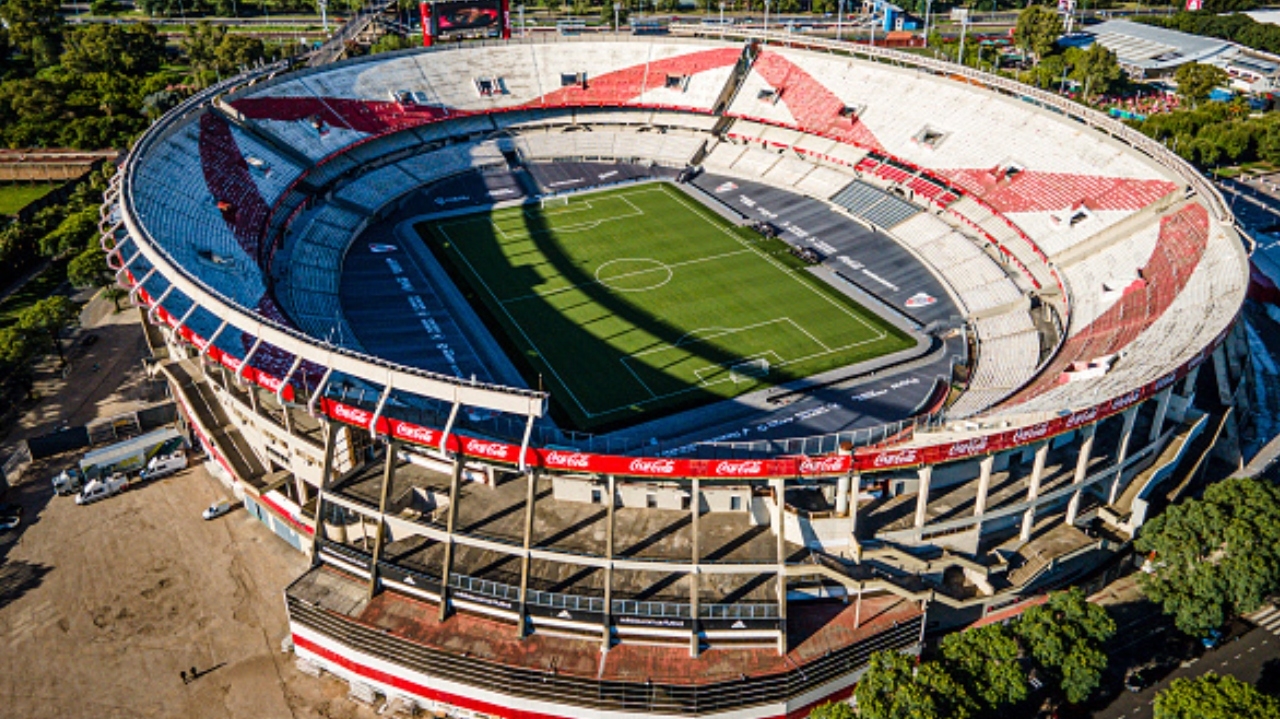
(571, 461)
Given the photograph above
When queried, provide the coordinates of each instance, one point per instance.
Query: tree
(132, 50)
(237, 51)
(35, 28)
(1214, 557)
(1210, 696)
(1065, 636)
(89, 269)
(104, 7)
(833, 710)
(986, 661)
(391, 43)
(1037, 31)
(15, 347)
(895, 688)
(1195, 80)
(1096, 68)
(72, 234)
(47, 318)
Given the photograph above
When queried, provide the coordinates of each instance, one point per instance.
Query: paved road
(1251, 653)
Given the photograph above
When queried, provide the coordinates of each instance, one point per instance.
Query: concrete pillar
(985, 467)
(1162, 410)
(1189, 382)
(779, 496)
(1130, 416)
(451, 518)
(522, 627)
(606, 631)
(842, 495)
(1082, 468)
(388, 475)
(1033, 491)
(695, 509)
(922, 496)
(855, 488)
(326, 473)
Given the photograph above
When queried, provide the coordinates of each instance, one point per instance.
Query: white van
(102, 488)
(164, 465)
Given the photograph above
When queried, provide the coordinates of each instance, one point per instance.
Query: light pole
(616, 7)
(324, 14)
(839, 18)
(766, 16)
(722, 21)
(928, 14)
(522, 25)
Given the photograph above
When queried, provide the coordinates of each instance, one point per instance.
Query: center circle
(633, 274)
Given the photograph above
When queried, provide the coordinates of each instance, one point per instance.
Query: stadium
(674, 375)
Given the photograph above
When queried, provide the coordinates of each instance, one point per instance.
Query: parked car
(1212, 639)
(10, 515)
(102, 488)
(217, 509)
(1135, 680)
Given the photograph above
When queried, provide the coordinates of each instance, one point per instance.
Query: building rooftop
(1154, 49)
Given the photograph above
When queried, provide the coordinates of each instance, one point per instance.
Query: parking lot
(102, 608)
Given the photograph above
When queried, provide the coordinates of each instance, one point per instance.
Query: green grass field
(637, 301)
(17, 196)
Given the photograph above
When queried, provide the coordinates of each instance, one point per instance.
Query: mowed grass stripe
(639, 300)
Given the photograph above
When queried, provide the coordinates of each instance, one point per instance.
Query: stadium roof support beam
(530, 498)
(377, 412)
(248, 357)
(695, 510)
(125, 268)
(1082, 468)
(326, 476)
(212, 338)
(448, 427)
(388, 476)
(154, 309)
(182, 321)
(318, 392)
(137, 286)
(284, 381)
(451, 518)
(524, 442)
(1130, 416)
(779, 501)
(1033, 491)
(606, 630)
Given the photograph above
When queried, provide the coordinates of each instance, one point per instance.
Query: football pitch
(630, 303)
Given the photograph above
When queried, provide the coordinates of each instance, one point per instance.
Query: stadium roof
(1155, 49)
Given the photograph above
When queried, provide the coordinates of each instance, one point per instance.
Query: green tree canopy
(1065, 636)
(46, 319)
(1214, 697)
(895, 687)
(833, 710)
(1214, 557)
(1037, 30)
(89, 269)
(987, 662)
(1095, 68)
(1195, 80)
(35, 28)
(73, 234)
(390, 43)
(133, 50)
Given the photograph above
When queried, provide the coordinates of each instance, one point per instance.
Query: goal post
(554, 201)
(750, 370)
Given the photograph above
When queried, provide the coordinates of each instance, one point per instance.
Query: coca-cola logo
(413, 432)
(1126, 400)
(1082, 417)
(570, 460)
(1026, 434)
(822, 465)
(268, 382)
(1165, 381)
(893, 459)
(231, 362)
(967, 447)
(347, 413)
(1198, 359)
(652, 466)
(743, 468)
(487, 449)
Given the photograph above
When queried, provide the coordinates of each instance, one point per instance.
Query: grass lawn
(640, 300)
(37, 288)
(17, 196)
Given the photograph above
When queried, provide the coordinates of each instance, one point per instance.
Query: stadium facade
(471, 557)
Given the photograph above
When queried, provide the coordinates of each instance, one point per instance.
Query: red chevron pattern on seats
(626, 85)
(374, 117)
(228, 178)
(815, 108)
(1183, 237)
(1039, 191)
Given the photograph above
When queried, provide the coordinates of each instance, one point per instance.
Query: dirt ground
(103, 606)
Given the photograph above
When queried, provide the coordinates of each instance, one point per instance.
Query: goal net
(555, 201)
(749, 370)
